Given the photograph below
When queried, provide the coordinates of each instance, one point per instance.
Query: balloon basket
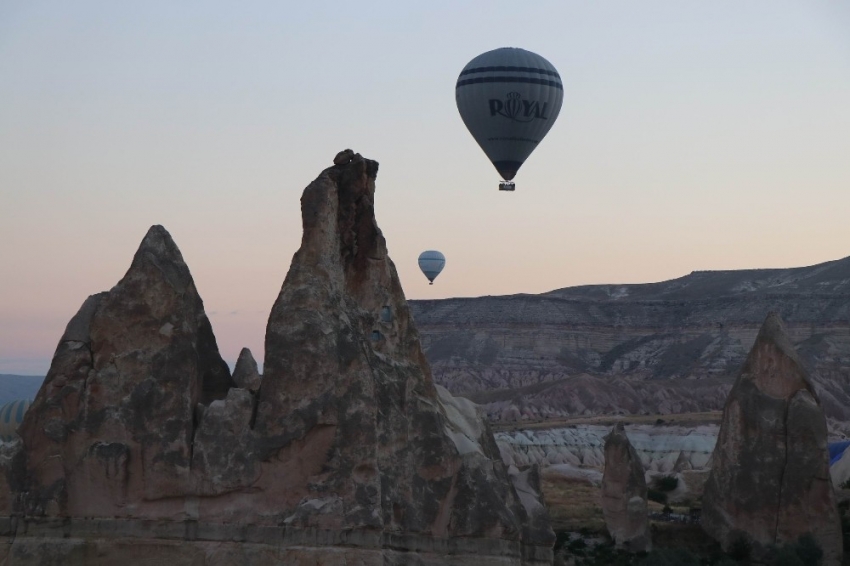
(507, 186)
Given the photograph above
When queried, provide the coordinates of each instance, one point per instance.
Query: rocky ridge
(141, 443)
(658, 348)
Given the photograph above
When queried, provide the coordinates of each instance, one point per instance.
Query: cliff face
(140, 443)
(663, 347)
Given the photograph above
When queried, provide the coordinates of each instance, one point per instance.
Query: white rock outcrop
(660, 448)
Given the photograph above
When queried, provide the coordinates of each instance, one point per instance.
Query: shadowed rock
(112, 425)
(245, 373)
(624, 503)
(769, 481)
(347, 391)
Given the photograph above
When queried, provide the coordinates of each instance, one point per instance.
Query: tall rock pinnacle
(347, 388)
(624, 503)
(770, 480)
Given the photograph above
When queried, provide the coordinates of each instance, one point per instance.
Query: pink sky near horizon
(691, 138)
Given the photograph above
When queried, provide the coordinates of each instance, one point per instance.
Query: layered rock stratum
(770, 482)
(658, 348)
(141, 446)
(660, 448)
(623, 498)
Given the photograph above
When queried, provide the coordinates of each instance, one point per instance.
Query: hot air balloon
(431, 263)
(11, 415)
(509, 98)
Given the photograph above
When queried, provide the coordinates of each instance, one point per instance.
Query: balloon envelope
(11, 416)
(509, 98)
(431, 263)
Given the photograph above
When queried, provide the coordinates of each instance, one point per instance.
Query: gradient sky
(694, 135)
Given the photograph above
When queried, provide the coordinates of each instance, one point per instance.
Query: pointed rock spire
(112, 426)
(246, 374)
(347, 390)
(769, 481)
(624, 503)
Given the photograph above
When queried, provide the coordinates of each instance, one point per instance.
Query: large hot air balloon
(509, 99)
(431, 263)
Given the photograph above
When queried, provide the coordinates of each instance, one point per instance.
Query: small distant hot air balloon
(509, 98)
(431, 263)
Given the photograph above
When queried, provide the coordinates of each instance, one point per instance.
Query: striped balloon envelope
(431, 263)
(509, 99)
(11, 415)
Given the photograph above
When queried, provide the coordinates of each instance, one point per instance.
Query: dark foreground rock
(140, 445)
(770, 481)
(624, 503)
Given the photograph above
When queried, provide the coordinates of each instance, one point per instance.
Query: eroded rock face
(113, 423)
(624, 503)
(347, 391)
(344, 451)
(669, 347)
(770, 481)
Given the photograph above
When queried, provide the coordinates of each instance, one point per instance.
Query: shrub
(741, 549)
(786, 556)
(605, 555)
(670, 557)
(657, 496)
(561, 539)
(577, 546)
(808, 549)
(667, 483)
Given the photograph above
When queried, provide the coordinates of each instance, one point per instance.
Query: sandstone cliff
(769, 481)
(140, 444)
(666, 347)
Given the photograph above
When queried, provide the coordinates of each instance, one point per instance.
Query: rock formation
(668, 347)
(661, 448)
(141, 443)
(624, 503)
(245, 374)
(770, 481)
(111, 428)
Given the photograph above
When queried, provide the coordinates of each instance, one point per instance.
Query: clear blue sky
(694, 135)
